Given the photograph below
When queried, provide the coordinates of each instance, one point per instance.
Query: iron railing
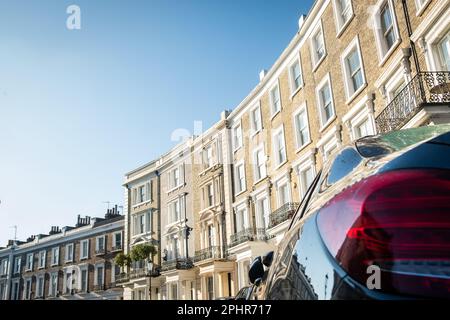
(179, 264)
(99, 252)
(242, 236)
(425, 88)
(116, 248)
(283, 213)
(99, 287)
(214, 252)
(122, 277)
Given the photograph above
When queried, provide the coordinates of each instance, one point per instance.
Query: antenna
(108, 202)
(15, 233)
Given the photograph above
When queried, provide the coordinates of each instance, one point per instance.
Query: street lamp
(150, 270)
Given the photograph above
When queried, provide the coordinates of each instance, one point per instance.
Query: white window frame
(237, 140)
(28, 282)
(40, 289)
(114, 246)
(97, 266)
(384, 53)
(301, 168)
(29, 266)
(258, 176)
(53, 291)
(302, 109)
(15, 289)
(437, 53)
(42, 261)
(53, 263)
(84, 268)
(82, 255)
(280, 182)
(315, 60)
(325, 81)
(273, 111)
(261, 217)
(17, 264)
(209, 187)
(340, 24)
(4, 267)
(245, 223)
(330, 139)
(148, 197)
(256, 109)
(72, 246)
(97, 243)
(173, 206)
(208, 162)
(238, 178)
(351, 93)
(276, 148)
(420, 7)
(294, 90)
(361, 112)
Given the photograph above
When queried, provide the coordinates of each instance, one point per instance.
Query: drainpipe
(409, 28)
(413, 48)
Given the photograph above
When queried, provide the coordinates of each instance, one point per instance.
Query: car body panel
(302, 266)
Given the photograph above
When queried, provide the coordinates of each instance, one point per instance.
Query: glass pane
(445, 52)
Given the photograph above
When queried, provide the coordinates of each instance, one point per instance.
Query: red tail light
(399, 221)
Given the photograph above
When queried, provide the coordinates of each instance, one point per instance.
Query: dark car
(374, 224)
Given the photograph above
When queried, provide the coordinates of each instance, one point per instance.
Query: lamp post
(150, 270)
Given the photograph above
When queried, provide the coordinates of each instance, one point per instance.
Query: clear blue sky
(80, 108)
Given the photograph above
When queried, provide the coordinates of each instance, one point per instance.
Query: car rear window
(383, 144)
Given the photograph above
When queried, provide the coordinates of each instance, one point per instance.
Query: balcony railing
(122, 277)
(432, 88)
(99, 252)
(179, 263)
(214, 252)
(99, 287)
(283, 213)
(242, 236)
(116, 248)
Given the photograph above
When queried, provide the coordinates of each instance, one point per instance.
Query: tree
(122, 260)
(143, 251)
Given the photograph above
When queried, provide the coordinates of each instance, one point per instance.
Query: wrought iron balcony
(283, 213)
(122, 277)
(242, 236)
(99, 252)
(214, 252)
(426, 88)
(116, 248)
(99, 287)
(179, 264)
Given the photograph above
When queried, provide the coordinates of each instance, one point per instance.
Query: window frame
(341, 25)
(72, 250)
(326, 80)
(237, 143)
(42, 261)
(53, 263)
(257, 109)
(352, 93)
(29, 260)
(239, 179)
(420, 7)
(276, 149)
(274, 112)
(296, 60)
(383, 52)
(82, 256)
(316, 61)
(256, 166)
(303, 108)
